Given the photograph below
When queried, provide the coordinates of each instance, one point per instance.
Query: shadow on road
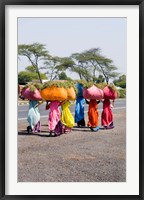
(44, 124)
(45, 133)
(22, 133)
(81, 130)
(84, 129)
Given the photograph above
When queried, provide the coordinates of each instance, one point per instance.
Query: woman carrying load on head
(67, 118)
(54, 93)
(93, 114)
(32, 93)
(94, 94)
(110, 92)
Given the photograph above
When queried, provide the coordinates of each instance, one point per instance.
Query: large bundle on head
(31, 92)
(110, 92)
(93, 92)
(58, 90)
(71, 93)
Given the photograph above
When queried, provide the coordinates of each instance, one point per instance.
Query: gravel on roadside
(80, 156)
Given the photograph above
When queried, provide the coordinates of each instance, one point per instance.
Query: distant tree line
(89, 65)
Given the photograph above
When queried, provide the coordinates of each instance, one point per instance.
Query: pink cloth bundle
(26, 93)
(109, 93)
(93, 93)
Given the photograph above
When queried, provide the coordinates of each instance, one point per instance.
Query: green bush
(26, 76)
(122, 93)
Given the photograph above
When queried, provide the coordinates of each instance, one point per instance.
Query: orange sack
(54, 93)
(71, 93)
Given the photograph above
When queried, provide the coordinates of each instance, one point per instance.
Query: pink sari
(107, 115)
(54, 114)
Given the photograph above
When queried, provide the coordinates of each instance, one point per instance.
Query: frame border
(3, 3)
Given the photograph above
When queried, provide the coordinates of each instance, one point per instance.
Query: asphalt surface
(23, 109)
(79, 156)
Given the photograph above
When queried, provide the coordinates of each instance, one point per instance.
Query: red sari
(107, 115)
(93, 114)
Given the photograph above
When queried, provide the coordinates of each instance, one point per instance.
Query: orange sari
(93, 113)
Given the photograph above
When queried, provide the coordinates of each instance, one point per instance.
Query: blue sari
(79, 109)
(33, 114)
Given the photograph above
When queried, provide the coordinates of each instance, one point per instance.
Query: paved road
(80, 156)
(23, 109)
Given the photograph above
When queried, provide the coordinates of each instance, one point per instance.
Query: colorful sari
(93, 114)
(54, 114)
(66, 117)
(79, 111)
(34, 116)
(107, 115)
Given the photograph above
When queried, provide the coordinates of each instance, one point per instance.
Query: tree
(81, 66)
(72, 65)
(35, 53)
(53, 67)
(121, 81)
(30, 69)
(90, 64)
(94, 64)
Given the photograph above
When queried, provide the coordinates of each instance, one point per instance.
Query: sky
(64, 36)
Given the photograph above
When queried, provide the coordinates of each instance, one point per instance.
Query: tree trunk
(39, 76)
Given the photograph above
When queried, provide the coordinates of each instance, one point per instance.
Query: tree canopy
(90, 64)
(51, 64)
(35, 53)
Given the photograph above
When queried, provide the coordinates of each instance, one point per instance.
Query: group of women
(61, 120)
(93, 115)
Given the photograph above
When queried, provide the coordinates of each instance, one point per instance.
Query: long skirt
(107, 115)
(79, 111)
(93, 114)
(66, 116)
(34, 116)
(54, 115)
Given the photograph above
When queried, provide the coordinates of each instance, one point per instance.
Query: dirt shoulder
(80, 156)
